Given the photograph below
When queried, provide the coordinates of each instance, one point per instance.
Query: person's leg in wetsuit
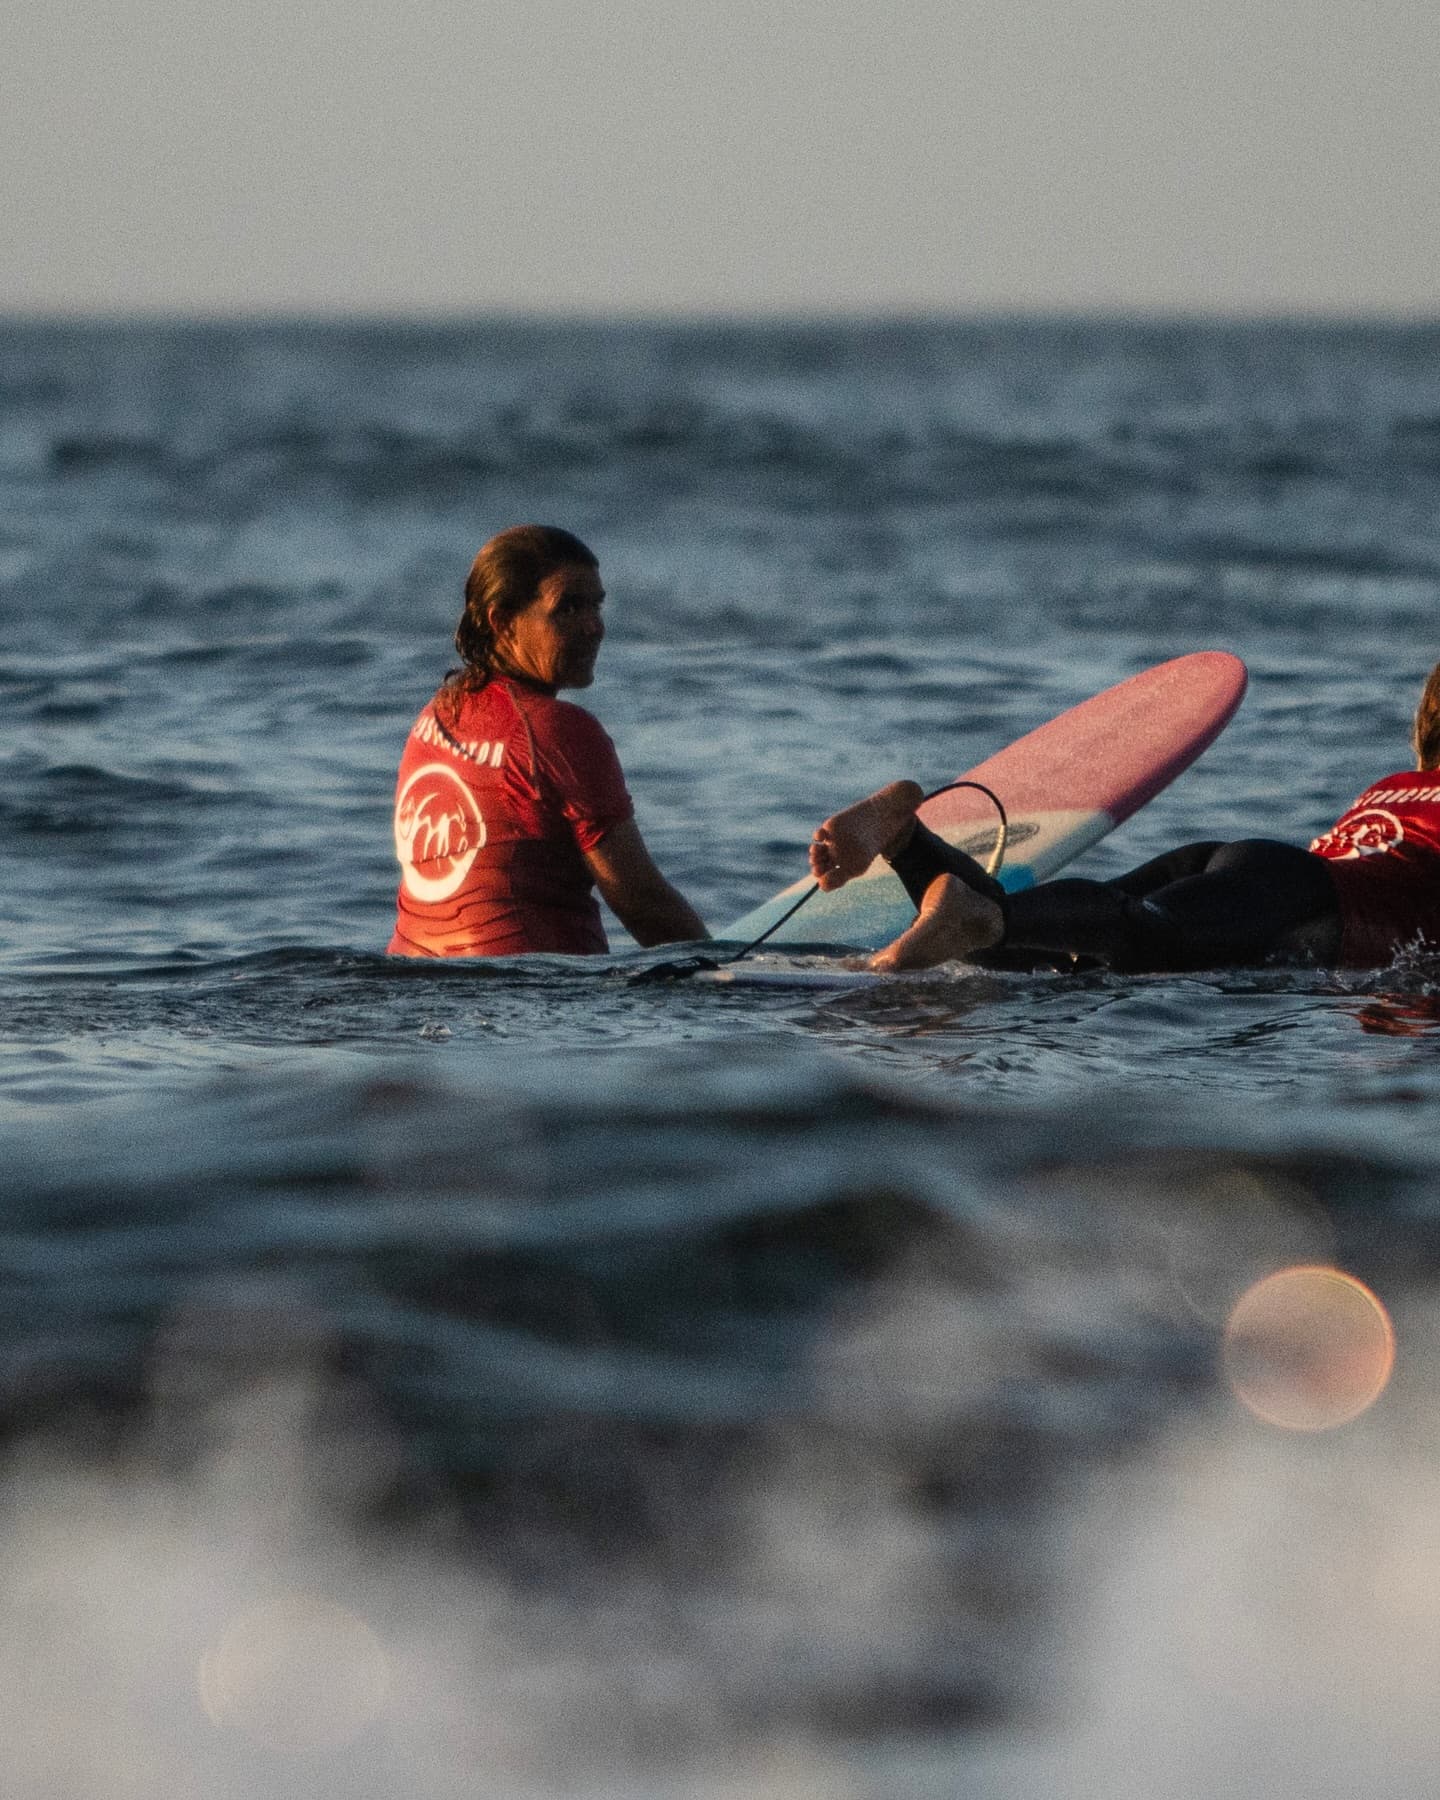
(1204, 906)
(1207, 905)
(924, 856)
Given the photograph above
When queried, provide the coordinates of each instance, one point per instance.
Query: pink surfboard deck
(1064, 786)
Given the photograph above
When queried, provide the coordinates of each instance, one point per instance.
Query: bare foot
(953, 921)
(846, 845)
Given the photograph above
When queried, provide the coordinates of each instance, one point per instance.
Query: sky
(735, 156)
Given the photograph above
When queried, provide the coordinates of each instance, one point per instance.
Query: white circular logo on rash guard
(1369, 833)
(439, 831)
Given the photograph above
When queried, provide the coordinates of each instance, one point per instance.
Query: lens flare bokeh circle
(296, 1673)
(1308, 1348)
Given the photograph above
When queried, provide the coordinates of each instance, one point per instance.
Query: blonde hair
(1426, 735)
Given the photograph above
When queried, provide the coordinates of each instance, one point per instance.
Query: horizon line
(459, 316)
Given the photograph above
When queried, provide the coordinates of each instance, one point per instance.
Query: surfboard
(1064, 786)
(803, 977)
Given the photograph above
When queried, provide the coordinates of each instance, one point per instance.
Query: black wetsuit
(1203, 906)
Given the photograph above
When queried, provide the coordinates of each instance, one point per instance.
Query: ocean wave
(754, 1328)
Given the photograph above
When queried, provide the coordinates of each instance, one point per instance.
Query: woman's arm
(637, 893)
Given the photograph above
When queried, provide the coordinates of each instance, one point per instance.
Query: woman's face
(555, 641)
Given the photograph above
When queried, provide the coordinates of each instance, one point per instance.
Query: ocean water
(506, 1379)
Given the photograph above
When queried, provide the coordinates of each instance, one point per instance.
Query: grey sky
(743, 155)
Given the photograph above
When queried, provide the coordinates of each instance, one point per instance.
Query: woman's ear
(495, 619)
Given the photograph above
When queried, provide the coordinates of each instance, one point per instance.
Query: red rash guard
(1385, 857)
(495, 811)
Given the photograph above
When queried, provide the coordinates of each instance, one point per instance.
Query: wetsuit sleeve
(925, 856)
(581, 762)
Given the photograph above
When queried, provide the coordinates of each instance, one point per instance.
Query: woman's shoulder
(462, 709)
(560, 736)
(576, 718)
(570, 738)
(553, 720)
(463, 718)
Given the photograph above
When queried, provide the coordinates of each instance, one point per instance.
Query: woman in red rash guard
(1366, 889)
(510, 806)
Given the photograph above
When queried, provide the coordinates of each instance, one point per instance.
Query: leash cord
(693, 965)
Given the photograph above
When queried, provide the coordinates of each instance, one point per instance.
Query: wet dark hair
(1426, 737)
(504, 578)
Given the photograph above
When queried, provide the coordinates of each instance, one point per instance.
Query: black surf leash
(683, 967)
